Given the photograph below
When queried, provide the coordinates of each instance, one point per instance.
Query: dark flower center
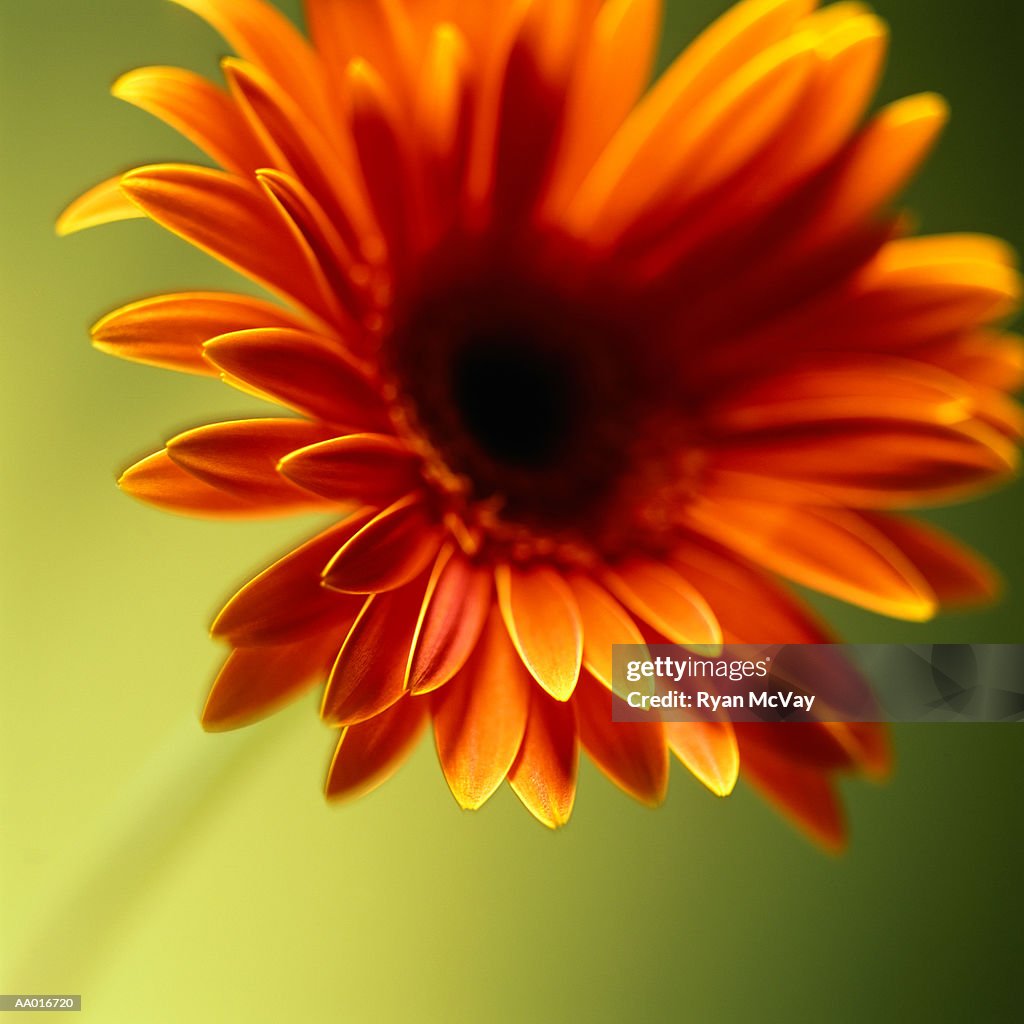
(525, 381)
(516, 399)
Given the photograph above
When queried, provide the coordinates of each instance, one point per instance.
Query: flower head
(570, 361)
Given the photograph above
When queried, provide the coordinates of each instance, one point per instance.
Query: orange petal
(957, 576)
(613, 70)
(256, 681)
(666, 601)
(746, 31)
(392, 549)
(199, 110)
(158, 480)
(632, 754)
(385, 163)
(308, 373)
(242, 456)
(373, 469)
(480, 717)
(881, 161)
(831, 550)
(544, 773)
(709, 751)
(342, 282)
(286, 601)
(543, 621)
(531, 108)
(231, 219)
(169, 330)
(104, 203)
(455, 608)
(751, 606)
(263, 35)
(368, 754)
(875, 465)
(302, 151)
(377, 30)
(806, 796)
(605, 622)
(369, 675)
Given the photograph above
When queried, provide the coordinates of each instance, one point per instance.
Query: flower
(575, 361)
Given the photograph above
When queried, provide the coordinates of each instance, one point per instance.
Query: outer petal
(373, 469)
(632, 754)
(455, 608)
(805, 795)
(709, 751)
(543, 621)
(831, 550)
(544, 773)
(242, 456)
(605, 622)
(958, 577)
(480, 717)
(369, 675)
(104, 203)
(231, 219)
(287, 602)
(311, 374)
(666, 601)
(261, 34)
(170, 330)
(751, 606)
(392, 549)
(256, 681)
(158, 480)
(199, 110)
(368, 754)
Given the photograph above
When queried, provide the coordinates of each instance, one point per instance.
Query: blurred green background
(168, 875)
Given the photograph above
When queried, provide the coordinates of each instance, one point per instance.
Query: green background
(168, 875)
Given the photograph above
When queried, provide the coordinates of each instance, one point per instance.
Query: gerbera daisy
(571, 361)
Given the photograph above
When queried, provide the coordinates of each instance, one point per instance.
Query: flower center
(518, 399)
(530, 403)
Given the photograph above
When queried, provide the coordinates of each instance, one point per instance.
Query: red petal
(230, 218)
(159, 481)
(605, 622)
(543, 621)
(480, 717)
(632, 754)
(666, 601)
(170, 330)
(373, 469)
(751, 606)
(832, 550)
(806, 796)
(455, 608)
(956, 575)
(287, 600)
(369, 675)
(392, 549)
(256, 681)
(304, 371)
(368, 754)
(242, 456)
(544, 773)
